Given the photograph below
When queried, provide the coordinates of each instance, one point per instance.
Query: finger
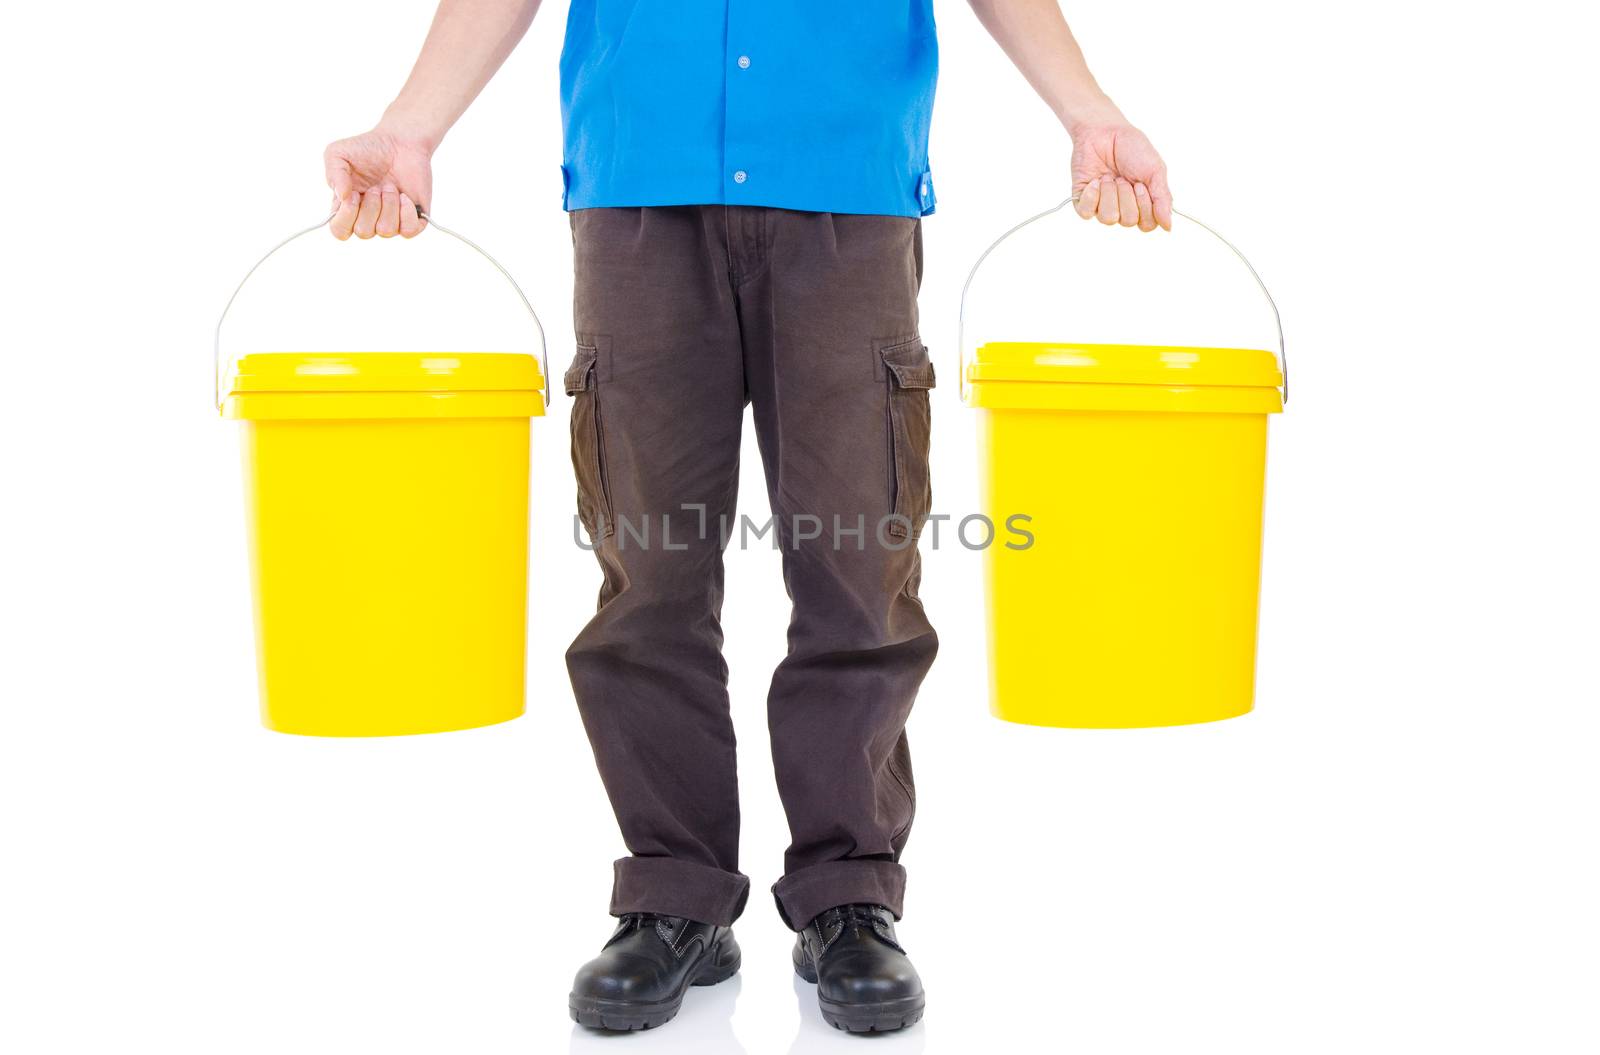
(367, 217)
(1161, 198)
(410, 223)
(1108, 202)
(344, 220)
(1147, 215)
(388, 212)
(1127, 204)
(337, 170)
(1089, 199)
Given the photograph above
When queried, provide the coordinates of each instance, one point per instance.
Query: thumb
(339, 178)
(415, 178)
(346, 199)
(1161, 198)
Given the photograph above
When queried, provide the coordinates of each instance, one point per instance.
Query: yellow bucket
(387, 501)
(1131, 480)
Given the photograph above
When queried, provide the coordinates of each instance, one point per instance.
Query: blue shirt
(817, 105)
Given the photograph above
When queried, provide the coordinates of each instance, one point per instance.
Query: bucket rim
(1082, 363)
(425, 371)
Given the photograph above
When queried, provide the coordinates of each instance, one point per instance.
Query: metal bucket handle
(216, 347)
(961, 323)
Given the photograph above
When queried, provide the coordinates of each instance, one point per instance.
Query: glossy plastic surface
(389, 559)
(1015, 375)
(1136, 605)
(386, 372)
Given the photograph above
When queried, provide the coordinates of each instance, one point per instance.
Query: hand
(1118, 176)
(380, 180)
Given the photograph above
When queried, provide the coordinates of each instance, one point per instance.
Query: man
(746, 180)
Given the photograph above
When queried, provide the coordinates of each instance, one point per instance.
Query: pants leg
(839, 381)
(659, 394)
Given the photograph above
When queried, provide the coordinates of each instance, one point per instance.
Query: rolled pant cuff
(805, 894)
(669, 887)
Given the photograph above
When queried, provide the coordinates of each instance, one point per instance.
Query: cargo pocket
(588, 447)
(910, 376)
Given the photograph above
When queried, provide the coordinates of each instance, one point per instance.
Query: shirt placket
(740, 57)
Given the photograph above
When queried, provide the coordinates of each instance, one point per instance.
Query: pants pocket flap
(910, 364)
(581, 373)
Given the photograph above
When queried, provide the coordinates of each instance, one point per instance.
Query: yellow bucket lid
(387, 372)
(1124, 364)
(1048, 375)
(302, 385)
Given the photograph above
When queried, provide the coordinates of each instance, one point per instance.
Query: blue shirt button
(744, 62)
(740, 176)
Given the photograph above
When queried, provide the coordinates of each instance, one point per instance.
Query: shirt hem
(794, 203)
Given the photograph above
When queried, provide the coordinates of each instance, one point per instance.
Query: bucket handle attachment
(216, 346)
(961, 323)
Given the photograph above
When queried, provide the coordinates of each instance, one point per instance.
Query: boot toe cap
(874, 980)
(608, 979)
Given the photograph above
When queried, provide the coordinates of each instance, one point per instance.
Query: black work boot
(640, 976)
(865, 981)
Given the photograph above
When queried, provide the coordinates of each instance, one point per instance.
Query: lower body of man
(684, 316)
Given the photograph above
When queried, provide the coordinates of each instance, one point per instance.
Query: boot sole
(884, 1017)
(622, 1016)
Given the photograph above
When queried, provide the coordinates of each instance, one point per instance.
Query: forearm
(1035, 37)
(467, 43)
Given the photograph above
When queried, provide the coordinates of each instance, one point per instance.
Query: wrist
(408, 128)
(1084, 115)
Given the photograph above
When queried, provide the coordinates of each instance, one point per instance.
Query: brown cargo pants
(684, 315)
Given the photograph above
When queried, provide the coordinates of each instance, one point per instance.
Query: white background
(1395, 853)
